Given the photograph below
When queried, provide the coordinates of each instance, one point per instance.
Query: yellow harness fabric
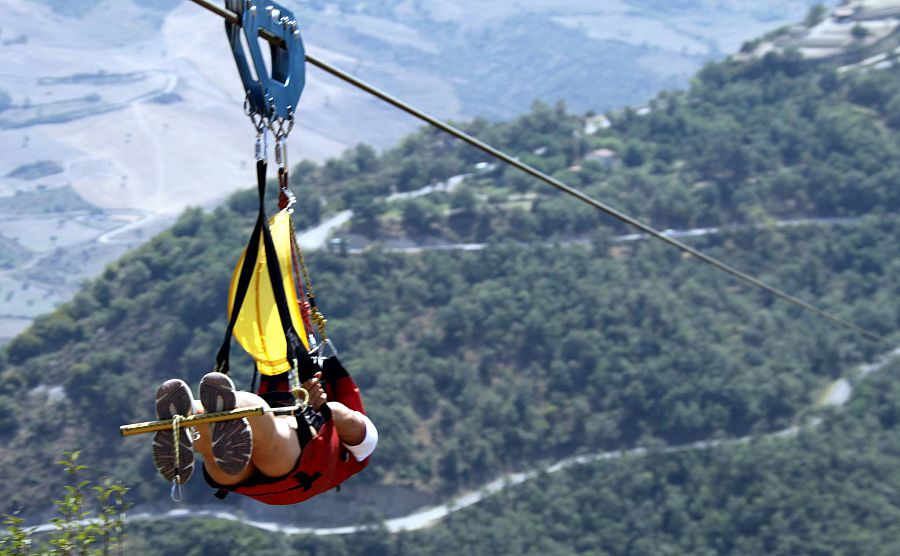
(258, 328)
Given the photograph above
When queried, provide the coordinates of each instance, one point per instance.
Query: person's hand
(317, 394)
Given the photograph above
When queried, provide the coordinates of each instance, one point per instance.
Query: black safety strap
(295, 349)
(247, 270)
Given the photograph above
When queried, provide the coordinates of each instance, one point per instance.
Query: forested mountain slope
(830, 490)
(477, 363)
(771, 138)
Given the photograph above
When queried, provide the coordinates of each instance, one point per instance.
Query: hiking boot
(232, 441)
(173, 398)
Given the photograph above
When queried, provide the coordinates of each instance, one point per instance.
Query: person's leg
(273, 450)
(277, 449)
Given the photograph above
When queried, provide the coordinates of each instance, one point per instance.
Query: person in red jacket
(274, 459)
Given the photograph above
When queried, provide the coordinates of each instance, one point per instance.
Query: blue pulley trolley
(271, 94)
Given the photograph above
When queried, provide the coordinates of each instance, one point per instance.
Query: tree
(815, 15)
(829, 81)
(463, 211)
(309, 207)
(412, 174)
(365, 218)
(871, 91)
(78, 530)
(365, 157)
(463, 200)
(634, 155)
(8, 417)
(892, 112)
(419, 215)
(5, 100)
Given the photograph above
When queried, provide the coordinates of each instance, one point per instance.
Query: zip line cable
(550, 180)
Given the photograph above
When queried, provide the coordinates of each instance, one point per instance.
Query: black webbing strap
(304, 435)
(247, 270)
(295, 349)
(309, 417)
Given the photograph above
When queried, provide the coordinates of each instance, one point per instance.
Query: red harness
(324, 462)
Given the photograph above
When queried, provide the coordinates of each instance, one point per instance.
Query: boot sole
(232, 441)
(177, 401)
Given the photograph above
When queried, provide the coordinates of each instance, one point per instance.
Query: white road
(315, 238)
(143, 220)
(626, 238)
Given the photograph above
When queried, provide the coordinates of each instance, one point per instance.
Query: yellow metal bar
(166, 424)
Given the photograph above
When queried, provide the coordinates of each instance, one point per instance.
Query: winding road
(317, 237)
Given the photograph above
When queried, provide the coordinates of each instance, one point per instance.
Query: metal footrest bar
(190, 421)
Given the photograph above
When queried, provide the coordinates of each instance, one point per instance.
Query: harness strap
(310, 418)
(247, 271)
(303, 433)
(294, 346)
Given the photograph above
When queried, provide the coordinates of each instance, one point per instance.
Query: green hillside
(539, 346)
(773, 138)
(830, 490)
